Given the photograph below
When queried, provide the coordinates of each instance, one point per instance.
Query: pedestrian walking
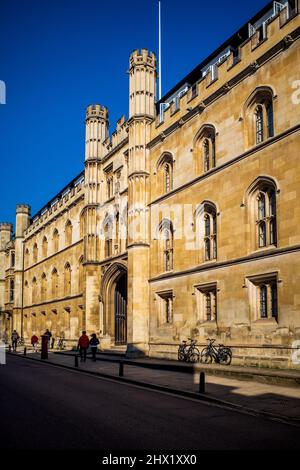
(94, 341)
(14, 340)
(34, 342)
(83, 344)
(52, 342)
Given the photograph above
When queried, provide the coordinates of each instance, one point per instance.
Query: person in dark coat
(94, 341)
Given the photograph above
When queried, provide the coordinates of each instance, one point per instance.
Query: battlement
(216, 75)
(97, 111)
(6, 227)
(67, 196)
(118, 136)
(23, 209)
(142, 57)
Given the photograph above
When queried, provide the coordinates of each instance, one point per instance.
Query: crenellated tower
(142, 97)
(97, 128)
(22, 223)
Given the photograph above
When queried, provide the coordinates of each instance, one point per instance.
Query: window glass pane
(261, 206)
(208, 307)
(274, 303)
(270, 119)
(259, 125)
(262, 234)
(263, 302)
(207, 225)
(206, 154)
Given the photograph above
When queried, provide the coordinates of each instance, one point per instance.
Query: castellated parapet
(142, 57)
(23, 209)
(97, 111)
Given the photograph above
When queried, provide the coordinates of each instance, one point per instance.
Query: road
(45, 407)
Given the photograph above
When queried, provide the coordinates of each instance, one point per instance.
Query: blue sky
(58, 56)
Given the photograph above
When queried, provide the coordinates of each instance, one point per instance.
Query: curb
(183, 393)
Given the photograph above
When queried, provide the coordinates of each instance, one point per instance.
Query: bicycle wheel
(181, 354)
(206, 356)
(194, 357)
(225, 356)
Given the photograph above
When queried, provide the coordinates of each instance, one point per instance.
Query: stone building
(185, 222)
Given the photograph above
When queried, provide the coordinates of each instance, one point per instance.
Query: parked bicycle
(188, 352)
(221, 354)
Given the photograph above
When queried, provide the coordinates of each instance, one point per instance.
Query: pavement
(49, 407)
(268, 399)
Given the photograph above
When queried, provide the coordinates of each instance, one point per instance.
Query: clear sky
(58, 56)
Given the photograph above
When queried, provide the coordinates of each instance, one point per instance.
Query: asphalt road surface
(45, 407)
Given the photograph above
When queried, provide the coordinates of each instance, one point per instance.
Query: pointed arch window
(108, 237)
(210, 232)
(67, 279)
(266, 217)
(80, 275)
(34, 290)
(205, 147)
(68, 233)
(54, 282)
(44, 288)
(165, 169)
(35, 253)
(45, 247)
(55, 240)
(27, 257)
(166, 240)
(260, 114)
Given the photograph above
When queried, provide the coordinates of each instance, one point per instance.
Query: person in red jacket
(83, 344)
(34, 342)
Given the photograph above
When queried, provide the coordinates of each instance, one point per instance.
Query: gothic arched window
(44, 288)
(54, 282)
(165, 169)
(68, 233)
(210, 232)
(205, 148)
(262, 206)
(45, 247)
(259, 110)
(55, 240)
(166, 240)
(67, 279)
(35, 253)
(266, 217)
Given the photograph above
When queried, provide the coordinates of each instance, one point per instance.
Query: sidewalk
(283, 401)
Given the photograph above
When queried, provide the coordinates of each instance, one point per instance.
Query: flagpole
(159, 50)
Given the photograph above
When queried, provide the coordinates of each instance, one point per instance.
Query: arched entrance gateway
(114, 297)
(120, 310)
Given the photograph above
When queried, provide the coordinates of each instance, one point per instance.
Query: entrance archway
(120, 310)
(113, 295)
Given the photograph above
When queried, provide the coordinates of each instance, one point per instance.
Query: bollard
(44, 350)
(121, 369)
(76, 360)
(25, 351)
(202, 383)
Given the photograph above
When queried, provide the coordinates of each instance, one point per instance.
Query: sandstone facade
(185, 223)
